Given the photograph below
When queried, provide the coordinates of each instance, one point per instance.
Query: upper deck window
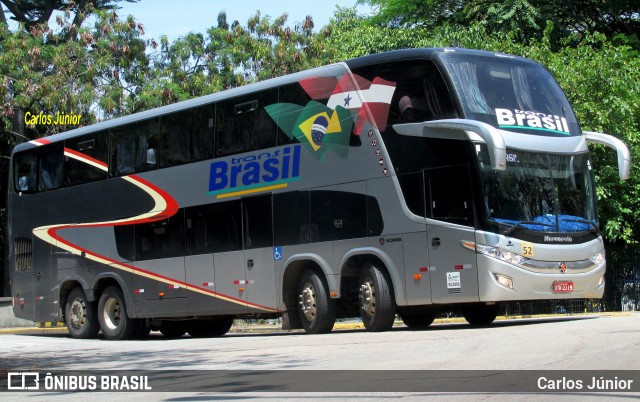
(511, 94)
(76, 169)
(421, 93)
(134, 148)
(39, 169)
(243, 125)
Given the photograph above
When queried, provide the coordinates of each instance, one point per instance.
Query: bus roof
(418, 53)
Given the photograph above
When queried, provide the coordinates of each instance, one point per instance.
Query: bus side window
(257, 222)
(338, 215)
(95, 146)
(187, 136)
(294, 94)
(449, 202)
(214, 228)
(134, 148)
(50, 169)
(412, 185)
(292, 218)
(25, 173)
(243, 125)
(160, 239)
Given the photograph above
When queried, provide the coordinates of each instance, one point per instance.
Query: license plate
(563, 286)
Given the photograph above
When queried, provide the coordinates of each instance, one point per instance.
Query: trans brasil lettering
(526, 120)
(255, 173)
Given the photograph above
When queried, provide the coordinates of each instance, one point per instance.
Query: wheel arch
(353, 261)
(293, 269)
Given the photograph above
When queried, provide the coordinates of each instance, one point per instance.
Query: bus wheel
(81, 316)
(173, 329)
(212, 328)
(418, 320)
(377, 306)
(112, 314)
(143, 330)
(316, 309)
(480, 314)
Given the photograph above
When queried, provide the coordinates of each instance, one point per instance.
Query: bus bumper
(527, 285)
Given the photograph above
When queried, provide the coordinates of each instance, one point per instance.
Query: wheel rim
(367, 297)
(78, 313)
(308, 301)
(112, 311)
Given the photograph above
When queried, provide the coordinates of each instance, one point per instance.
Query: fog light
(600, 282)
(599, 258)
(505, 281)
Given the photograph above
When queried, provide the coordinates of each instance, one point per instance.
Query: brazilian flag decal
(315, 125)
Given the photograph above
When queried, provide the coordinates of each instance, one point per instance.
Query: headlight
(495, 252)
(511, 258)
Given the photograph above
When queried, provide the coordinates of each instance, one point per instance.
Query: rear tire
(418, 321)
(173, 329)
(375, 299)
(317, 311)
(81, 315)
(211, 328)
(112, 314)
(480, 315)
(142, 331)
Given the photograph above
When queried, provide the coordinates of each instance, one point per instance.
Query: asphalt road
(600, 342)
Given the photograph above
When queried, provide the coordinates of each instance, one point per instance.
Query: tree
(523, 19)
(409, 13)
(31, 13)
(228, 56)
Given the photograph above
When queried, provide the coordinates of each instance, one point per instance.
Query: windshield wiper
(584, 221)
(515, 226)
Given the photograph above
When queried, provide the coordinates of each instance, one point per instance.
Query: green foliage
(227, 56)
(44, 71)
(31, 13)
(524, 20)
(410, 13)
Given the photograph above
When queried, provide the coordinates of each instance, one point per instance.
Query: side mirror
(624, 157)
(458, 129)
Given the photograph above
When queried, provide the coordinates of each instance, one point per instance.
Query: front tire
(173, 329)
(418, 321)
(112, 314)
(211, 328)
(143, 330)
(81, 315)
(375, 299)
(480, 315)
(317, 311)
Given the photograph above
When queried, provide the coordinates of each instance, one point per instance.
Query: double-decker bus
(400, 183)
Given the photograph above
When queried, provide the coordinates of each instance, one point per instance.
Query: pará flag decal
(377, 95)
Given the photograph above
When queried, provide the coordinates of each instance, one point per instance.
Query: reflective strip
(242, 282)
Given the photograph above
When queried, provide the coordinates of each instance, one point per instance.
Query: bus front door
(452, 267)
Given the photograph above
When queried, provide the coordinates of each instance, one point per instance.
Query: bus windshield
(539, 192)
(511, 94)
